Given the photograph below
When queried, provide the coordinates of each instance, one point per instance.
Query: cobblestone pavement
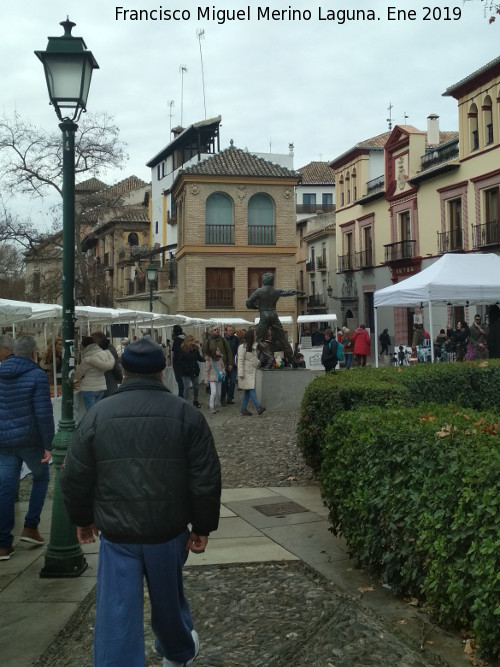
(264, 614)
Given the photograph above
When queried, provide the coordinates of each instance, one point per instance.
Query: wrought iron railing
(316, 301)
(364, 259)
(310, 265)
(219, 297)
(345, 263)
(375, 185)
(450, 241)
(399, 250)
(439, 155)
(219, 234)
(486, 234)
(261, 235)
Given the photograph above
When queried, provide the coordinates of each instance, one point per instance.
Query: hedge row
(472, 385)
(416, 493)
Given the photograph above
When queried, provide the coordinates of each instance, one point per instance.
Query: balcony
(485, 235)
(321, 263)
(375, 185)
(345, 263)
(450, 241)
(310, 265)
(261, 235)
(395, 252)
(316, 301)
(440, 155)
(219, 234)
(219, 297)
(364, 259)
(312, 209)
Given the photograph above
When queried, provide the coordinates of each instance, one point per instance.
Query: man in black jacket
(142, 465)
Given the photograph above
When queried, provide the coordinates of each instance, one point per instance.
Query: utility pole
(182, 69)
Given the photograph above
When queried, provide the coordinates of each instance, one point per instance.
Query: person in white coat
(247, 369)
(90, 372)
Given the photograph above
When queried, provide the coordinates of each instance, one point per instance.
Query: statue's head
(268, 278)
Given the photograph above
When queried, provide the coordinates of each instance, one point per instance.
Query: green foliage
(332, 394)
(416, 491)
(472, 385)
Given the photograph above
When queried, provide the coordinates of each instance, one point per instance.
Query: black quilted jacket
(142, 465)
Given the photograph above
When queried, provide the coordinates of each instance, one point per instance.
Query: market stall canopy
(284, 319)
(323, 317)
(452, 279)
(14, 311)
(235, 321)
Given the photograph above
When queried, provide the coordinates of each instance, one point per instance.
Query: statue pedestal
(283, 388)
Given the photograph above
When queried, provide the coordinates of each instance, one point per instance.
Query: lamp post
(68, 70)
(152, 274)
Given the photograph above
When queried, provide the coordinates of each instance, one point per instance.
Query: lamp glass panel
(152, 273)
(64, 77)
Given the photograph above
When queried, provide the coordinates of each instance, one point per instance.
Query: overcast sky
(319, 84)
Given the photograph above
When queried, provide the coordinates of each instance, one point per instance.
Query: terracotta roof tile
(317, 173)
(233, 161)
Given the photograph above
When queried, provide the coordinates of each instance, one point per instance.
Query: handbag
(221, 375)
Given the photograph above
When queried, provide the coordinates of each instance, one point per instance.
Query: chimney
(433, 129)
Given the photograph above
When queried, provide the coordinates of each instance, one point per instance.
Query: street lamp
(68, 70)
(152, 274)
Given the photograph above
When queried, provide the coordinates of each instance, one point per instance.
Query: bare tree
(11, 272)
(31, 164)
(31, 157)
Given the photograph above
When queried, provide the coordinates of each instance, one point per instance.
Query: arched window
(354, 185)
(133, 239)
(348, 187)
(473, 128)
(341, 190)
(219, 219)
(488, 121)
(261, 220)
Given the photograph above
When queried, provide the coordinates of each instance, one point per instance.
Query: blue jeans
(90, 398)
(229, 385)
(249, 394)
(11, 461)
(347, 360)
(187, 381)
(119, 629)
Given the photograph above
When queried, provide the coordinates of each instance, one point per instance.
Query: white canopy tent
(470, 279)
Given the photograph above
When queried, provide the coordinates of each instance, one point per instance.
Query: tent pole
(432, 335)
(376, 338)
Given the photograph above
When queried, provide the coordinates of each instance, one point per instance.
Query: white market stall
(312, 355)
(465, 279)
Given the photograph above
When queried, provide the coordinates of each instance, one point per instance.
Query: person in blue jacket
(26, 433)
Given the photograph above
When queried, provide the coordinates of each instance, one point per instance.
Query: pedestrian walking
(362, 345)
(26, 433)
(178, 339)
(385, 341)
(329, 357)
(141, 467)
(229, 385)
(248, 362)
(90, 372)
(190, 368)
(113, 377)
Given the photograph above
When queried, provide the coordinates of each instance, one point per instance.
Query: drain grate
(280, 509)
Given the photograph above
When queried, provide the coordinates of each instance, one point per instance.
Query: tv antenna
(170, 105)
(201, 35)
(389, 120)
(182, 69)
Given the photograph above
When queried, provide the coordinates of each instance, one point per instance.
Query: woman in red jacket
(362, 345)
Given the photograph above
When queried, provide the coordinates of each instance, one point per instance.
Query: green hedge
(416, 493)
(331, 394)
(475, 385)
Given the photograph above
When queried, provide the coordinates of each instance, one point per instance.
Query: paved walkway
(257, 525)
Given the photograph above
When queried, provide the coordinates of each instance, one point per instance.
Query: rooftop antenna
(201, 35)
(270, 144)
(182, 69)
(389, 120)
(405, 117)
(170, 105)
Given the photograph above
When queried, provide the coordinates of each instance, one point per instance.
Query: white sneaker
(172, 663)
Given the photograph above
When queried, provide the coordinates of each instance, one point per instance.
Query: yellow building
(408, 196)
(236, 220)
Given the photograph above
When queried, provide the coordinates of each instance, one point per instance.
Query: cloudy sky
(323, 85)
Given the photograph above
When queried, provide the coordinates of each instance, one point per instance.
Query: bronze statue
(264, 299)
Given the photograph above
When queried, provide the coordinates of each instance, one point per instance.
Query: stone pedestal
(283, 388)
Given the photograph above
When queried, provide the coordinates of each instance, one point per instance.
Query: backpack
(340, 349)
